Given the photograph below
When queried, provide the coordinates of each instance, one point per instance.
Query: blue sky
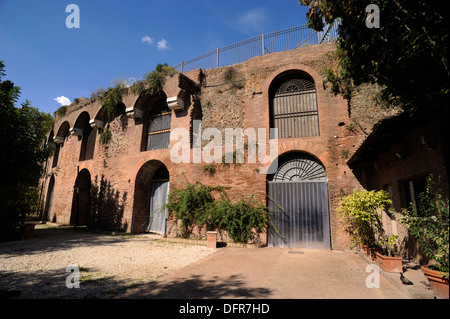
(120, 39)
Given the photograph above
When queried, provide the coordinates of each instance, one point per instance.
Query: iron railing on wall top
(278, 41)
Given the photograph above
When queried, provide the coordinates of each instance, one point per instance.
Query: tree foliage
(429, 225)
(407, 55)
(23, 130)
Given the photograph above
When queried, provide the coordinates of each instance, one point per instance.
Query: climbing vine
(105, 137)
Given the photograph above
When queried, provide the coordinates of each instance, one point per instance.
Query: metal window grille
(159, 131)
(302, 169)
(294, 108)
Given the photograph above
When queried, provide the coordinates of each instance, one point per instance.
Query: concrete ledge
(419, 289)
(204, 242)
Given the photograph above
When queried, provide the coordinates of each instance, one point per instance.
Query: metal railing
(279, 41)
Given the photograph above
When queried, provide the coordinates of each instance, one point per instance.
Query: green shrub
(362, 220)
(153, 81)
(345, 154)
(61, 112)
(196, 205)
(209, 169)
(98, 94)
(190, 205)
(157, 78)
(243, 220)
(352, 127)
(230, 78)
(112, 98)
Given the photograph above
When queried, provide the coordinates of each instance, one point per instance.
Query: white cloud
(250, 22)
(62, 100)
(131, 80)
(253, 20)
(162, 45)
(147, 39)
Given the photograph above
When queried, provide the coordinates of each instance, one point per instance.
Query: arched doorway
(49, 199)
(81, 199)
(150, 196)
(300, 187)
(159, 190)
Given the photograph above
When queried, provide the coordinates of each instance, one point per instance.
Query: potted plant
(428, 224)
(360, 212)
(386, 259)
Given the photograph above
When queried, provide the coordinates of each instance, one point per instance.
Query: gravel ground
(109, 265)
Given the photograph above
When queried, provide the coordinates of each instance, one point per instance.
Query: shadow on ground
(47, 284)
(44, 241)
(195, 287)
(52, 285)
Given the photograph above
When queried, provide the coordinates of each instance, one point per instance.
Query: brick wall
(123, 169)
(418, 161)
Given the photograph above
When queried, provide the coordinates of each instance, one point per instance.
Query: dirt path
(109, 265)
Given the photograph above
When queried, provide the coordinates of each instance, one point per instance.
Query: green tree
(407, 55)
(22, 132)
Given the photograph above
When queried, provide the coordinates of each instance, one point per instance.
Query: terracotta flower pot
(389, 264)
(438, 283)
(28, 231)
(371, 251)
(211, 239)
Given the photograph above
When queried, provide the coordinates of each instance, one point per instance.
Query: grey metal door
(300, 187)
(158, 215)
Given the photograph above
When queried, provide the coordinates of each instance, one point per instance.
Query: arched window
(159, 120)
(88, 143)
(59, 139)
(88, 137)
(293, 105)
